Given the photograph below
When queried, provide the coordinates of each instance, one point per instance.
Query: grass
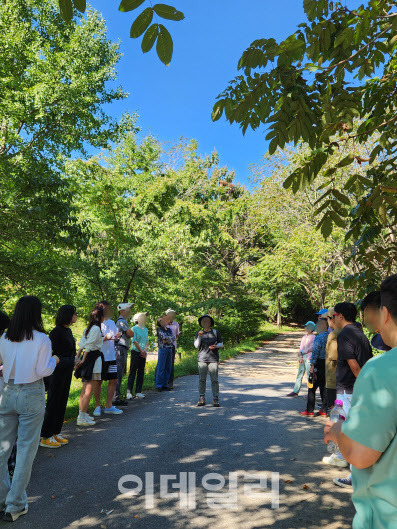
(186, 366)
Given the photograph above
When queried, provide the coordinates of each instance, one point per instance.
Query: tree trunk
(278, 310)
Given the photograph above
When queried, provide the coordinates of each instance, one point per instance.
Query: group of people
(339, 361)
(32, 363)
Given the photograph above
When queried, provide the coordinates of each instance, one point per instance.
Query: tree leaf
(141, 23)
(149, 38)
(80, 5)
(168, 12)
(129, 5)
(66, 9)
(164, 46)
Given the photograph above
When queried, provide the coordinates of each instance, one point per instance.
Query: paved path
(257, 431)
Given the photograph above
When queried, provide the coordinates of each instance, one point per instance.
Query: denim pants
(211, 368)
(163, 369)
(303, 368)
(21, 416)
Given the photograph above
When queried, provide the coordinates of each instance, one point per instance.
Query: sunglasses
(336, 314)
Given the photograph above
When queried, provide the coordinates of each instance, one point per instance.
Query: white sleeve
(46, 363)
(197, 341)
(82, 341)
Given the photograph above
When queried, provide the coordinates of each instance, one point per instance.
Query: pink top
(307, 345)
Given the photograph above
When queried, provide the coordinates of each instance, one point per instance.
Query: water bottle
(337, 414)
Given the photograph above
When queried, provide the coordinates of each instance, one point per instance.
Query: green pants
(211, 368)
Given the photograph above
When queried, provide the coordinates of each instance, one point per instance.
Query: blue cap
(321, 312)
(310, 324)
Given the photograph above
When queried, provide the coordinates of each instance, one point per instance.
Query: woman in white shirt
(92, 365)
(25, 352)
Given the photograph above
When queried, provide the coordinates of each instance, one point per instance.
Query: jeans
(211, 368)
(303, 368)
(21, 416)
(318, 383)
(121, 359)
(163, 369)
(137, 368)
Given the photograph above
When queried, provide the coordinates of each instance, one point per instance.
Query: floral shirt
(319, 347)
(165, 337)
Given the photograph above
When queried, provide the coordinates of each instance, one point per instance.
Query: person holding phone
(208, 341)
(110, 335)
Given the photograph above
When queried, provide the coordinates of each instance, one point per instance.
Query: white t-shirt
(27, 361)
(108, 326)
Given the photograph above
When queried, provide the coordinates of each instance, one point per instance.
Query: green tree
(331, 84)
(54, 82)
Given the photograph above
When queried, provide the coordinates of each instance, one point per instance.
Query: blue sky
(177, 101)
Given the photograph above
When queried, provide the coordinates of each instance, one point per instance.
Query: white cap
(136, 316)
(168, 311)
(123, 306)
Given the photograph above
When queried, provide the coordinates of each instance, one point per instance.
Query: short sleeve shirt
(108, 326)
(372, 422)
(122, 326)
(352, 345)
(141, 335)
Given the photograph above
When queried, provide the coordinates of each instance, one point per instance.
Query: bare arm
(353, 364)
(358, 455)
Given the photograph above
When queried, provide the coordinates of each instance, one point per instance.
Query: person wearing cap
(165, 339)
(121, 347)
(331, 359)
(304, 356)
(139, 351)
(208, 341)
(317, 367)
(174, 326)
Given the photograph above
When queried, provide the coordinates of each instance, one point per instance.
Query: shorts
(110, 370)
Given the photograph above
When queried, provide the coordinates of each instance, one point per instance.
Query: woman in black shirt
(64, 346)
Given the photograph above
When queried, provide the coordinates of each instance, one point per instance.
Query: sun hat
(169, 311)
(310, 324)
(205, 316)
(330, 312)
(321, 312)
(136, 316)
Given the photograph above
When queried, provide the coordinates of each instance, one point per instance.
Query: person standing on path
(304, 356)
(121, 347)
(368, 437)
(208, 341)
(91, 368)
(317, 368)
(64, 346)
(174, 326)
(370, 307)
(110, 334)
(25, 352)
(140, 346)
(165, 338)
(354, 350)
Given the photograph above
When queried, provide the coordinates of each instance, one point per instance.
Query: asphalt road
(256, 432)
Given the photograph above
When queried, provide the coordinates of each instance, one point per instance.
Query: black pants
(57, 400)
(137, 368)
(319, 382)
(171, 379)
(331, 397)
(121, 360)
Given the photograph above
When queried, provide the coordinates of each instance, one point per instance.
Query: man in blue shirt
(317, 368)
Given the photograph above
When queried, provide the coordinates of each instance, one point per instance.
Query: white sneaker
(89, 418)
(140, 395)
(129, 395)
(13, 516)
(335, 461)
(97, 412)
(113, 410)
(82, 421)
